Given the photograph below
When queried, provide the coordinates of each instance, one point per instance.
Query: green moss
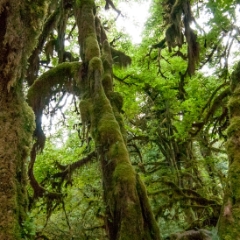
(107, 56)
(118, 152)
(24, 24)
(17, 128)
(42, 87)
(109, 130)
(120, 58)
(233, 105)
(170, 36)
(234, 128)
(232, 151)
(80, 3)
(235, 77)
(75, 66)
(91, 47)
(228, 224)
(124, 174)
(234, 178)
(95, 64)
(236, 92)
(85, 109)
(107, 83)
(117, 100)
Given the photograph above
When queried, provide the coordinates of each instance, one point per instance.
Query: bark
(229, 220)
(16, 121)
(20, 23)
(128, 213)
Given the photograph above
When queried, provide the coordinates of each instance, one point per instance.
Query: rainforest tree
(228, 221)
(21, 23)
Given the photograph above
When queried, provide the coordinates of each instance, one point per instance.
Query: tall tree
(128, 213)
(21, 23)
(228, 226)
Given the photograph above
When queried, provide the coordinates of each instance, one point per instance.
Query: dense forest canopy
(130, 140)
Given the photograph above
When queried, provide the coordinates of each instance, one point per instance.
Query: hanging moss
(120, 58)
(40, 93)
(43, 86)
(85, 109)
(179, 16)
(174, 34)
(170, 37)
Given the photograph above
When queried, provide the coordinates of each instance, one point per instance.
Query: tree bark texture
(229, 221)
(20, 23)
(128, 213)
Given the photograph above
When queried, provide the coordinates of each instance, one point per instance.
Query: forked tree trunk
(19, 26)
(229, 221)
(128, 213)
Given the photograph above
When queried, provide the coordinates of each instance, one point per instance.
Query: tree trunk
(128, 213)
(229, 221)
(19, 26)
(16, 121)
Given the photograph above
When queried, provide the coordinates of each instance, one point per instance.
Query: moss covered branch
(65, 75)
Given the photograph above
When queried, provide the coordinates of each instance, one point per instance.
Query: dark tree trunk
(16, 121)
(229, 221)
(19, 26)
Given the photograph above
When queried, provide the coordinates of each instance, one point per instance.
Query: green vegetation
(130, 141)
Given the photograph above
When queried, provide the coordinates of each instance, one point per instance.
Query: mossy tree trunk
(19, 26)
(229, 221)
(128, 213)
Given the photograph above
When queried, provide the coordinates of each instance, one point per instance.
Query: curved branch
(39, 94)
(217, 102)
(212, 96)
(68, 169)
(39, 191)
